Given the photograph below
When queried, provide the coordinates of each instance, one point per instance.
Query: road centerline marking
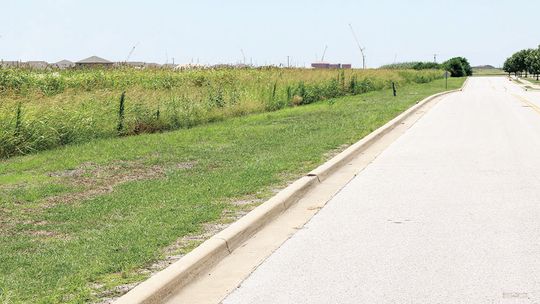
(527, 103)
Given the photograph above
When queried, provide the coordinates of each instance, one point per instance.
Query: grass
(42, 110)
(78, 221)
(488, 72)
(532, 80)
(522, 82)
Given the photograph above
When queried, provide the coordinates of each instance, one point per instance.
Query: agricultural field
(98, 211)
(44, 110)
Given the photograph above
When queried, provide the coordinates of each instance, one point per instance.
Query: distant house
(39, 65)
(324, 65)
(169, 66)
(94, 62)
(135, 64)
(152, 65)
(320, 65)
(10, 64)
(63, 64)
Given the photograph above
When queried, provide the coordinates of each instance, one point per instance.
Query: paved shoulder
(449, 213)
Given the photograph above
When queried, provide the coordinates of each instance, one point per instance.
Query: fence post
(121, 109)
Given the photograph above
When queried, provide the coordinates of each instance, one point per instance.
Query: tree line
(457, 66)
(524, 62)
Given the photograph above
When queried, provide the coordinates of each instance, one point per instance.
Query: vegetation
(524, 62)
(458, 67)
(487, 71)
(48, 109)
(78, 221)
(414, 65)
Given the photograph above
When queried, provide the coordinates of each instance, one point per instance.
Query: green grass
(532, 80)
(488, 72)
(41, 110)
(84, 218)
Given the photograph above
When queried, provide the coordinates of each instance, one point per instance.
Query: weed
(76, 106)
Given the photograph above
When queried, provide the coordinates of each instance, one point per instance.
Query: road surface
(449, 213)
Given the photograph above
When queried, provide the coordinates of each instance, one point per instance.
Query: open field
(488, 72)
(44, 110)
(78, 221)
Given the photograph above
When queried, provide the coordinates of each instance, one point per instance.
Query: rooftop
(94, 59)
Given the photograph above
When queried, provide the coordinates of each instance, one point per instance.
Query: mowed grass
(488, 72)
(82, 219)
(532, 80)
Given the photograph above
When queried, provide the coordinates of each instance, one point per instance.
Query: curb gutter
(213, 250)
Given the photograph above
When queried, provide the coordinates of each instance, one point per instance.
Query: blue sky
(213, 31)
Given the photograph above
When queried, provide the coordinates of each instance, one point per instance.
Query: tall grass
(43, 110)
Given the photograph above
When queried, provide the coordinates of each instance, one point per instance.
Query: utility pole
(288, 62)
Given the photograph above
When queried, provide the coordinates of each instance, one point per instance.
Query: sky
(213, 31)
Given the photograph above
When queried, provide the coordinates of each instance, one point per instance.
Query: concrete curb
(162, 284)
(526, 82)
(326, 169)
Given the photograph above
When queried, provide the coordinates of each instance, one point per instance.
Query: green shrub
(458, 67)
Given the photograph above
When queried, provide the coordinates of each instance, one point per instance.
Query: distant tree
(458, 67)
(466, 66)
(527, 61)
(509, 65)
(533, 62)
(520, 61)
(455, 67)
(416, 65)
(426, 66)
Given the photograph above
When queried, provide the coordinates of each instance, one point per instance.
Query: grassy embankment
(78, 221)
(44, 110)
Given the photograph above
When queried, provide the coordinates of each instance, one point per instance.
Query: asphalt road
(449, 213)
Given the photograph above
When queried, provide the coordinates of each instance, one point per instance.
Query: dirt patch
(6, 221)
(185, 165)
(335, 151)
(67, 173)
(247, 202)
(43, 233)
(95, 180)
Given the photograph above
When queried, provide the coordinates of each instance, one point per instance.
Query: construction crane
(243, 56)
(359, 47)
(131, 52)
(324, 53)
